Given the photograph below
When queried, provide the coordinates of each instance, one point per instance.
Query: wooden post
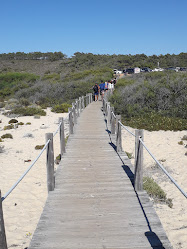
(80, 104)
(87, 100)
(112, 121)
(50, 162)
(106, 109)
(62, 137)
(83, 104)
(138, 173)
(3, 243)
(104, 105)
(70, 121)
(77, 108)
(118, 134)
(74, 114)
(109, 113)
(91, 99)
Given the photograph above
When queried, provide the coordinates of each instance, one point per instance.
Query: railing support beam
(50, 162)
(3, 243)
(70, 121)
(138, 173)
(118, 134)
(112, 120)
(62, 137)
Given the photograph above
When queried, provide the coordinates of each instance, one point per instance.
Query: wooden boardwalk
(94, 205)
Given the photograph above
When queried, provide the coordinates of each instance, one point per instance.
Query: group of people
(102, 87)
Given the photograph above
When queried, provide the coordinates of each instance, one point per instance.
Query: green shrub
(130, 156)
(66, 140)
(24, 102)
(28, 123)
(39, 147)
(28, 111)
(2, 104)
(155, 191)
(13, 121)
(7, 135)
(152, 121)
(20, 123)
(1, 140)
(61, 108)
(180, 143)
(58, 158)
(8, 127)
(54, 77)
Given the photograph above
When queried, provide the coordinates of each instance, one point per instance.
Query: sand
(23, 207)
(164, 146)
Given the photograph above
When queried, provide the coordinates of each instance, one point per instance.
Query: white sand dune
(23, 207)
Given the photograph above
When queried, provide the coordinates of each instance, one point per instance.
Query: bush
(9, 127)
(39, 147)
(28, 111)
(155, 191)
(130, 156)
(154, 122)
(7, 135)
(61, 108)
(180, 143)
(20, 123)
(13, 121)
(28, 123)
(158, 98)
(58, 158)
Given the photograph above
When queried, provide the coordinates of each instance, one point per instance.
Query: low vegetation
(8, 127)
(155, 191)
(130, 155)
(39, 147)
(61, 108)
(152, 101)
(7, 135)
(13, 121)
(28, 111)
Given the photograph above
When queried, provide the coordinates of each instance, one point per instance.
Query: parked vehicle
(116, 71)
(136, 70)
(132, 70)
(129, 70)
(158, 69)
(145, 69)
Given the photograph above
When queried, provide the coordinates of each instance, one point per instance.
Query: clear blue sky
(94, 26)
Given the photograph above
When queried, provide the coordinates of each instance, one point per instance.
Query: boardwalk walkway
(94, 205)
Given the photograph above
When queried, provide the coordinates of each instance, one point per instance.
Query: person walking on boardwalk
(102, 88)
(96, 91)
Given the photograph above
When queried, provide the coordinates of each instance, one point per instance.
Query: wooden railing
(115, 122)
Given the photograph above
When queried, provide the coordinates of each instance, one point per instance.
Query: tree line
(81, 61)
